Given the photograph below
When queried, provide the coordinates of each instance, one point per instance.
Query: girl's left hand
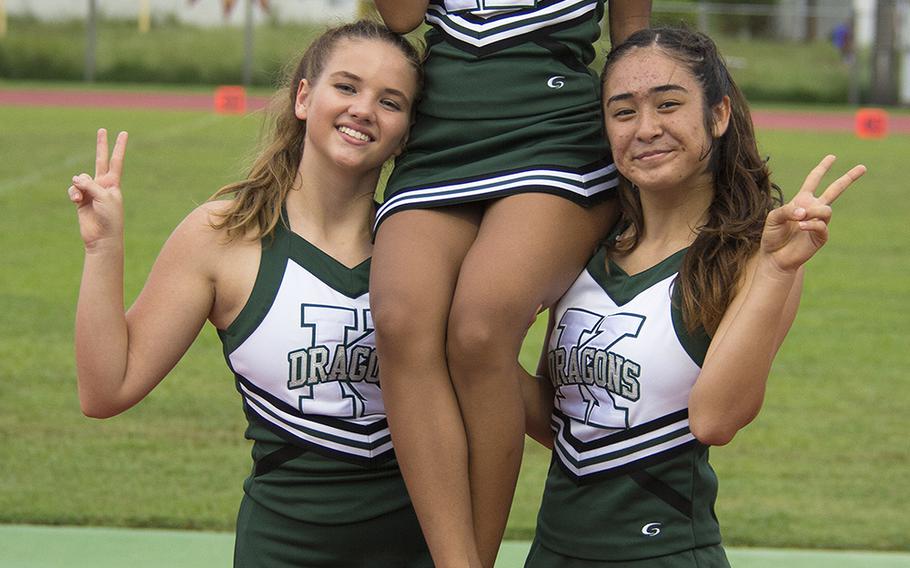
(794, 232)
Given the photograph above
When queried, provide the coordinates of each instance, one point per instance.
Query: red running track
(117, 99)
(776, 120)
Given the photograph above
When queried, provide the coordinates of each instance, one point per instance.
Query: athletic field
(76, 547)
(820, 475)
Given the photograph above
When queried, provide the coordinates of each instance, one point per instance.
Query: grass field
(824, 466)
(30, 546)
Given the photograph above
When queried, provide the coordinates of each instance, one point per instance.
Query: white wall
(791, 18)
(201, 12)
(865, 21)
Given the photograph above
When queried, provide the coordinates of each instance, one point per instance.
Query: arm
(731, 386)
(730, 389)
(627, 17)
(121, 357)
(537, 395)
(402, 16)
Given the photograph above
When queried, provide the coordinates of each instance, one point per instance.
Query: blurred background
(825, 465)
(847, 51)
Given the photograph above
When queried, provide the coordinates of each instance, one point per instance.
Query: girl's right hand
(99, 203)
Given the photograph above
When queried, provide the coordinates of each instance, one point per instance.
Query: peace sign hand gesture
(794, 232)
(99, 203)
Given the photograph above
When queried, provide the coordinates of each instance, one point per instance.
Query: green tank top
(510, 63)
(303, 355)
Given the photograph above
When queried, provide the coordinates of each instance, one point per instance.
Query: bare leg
(415, 265)
(529, 249)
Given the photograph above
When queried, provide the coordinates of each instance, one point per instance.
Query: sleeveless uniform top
(628, 480)
(509, 105)
(303, 354)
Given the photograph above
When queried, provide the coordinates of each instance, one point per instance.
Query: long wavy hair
(743, 192)
(257, 200)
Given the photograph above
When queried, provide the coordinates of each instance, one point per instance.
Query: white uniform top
(622, 368)
(303, 354)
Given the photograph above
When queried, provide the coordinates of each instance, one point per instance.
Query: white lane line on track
(67, 163)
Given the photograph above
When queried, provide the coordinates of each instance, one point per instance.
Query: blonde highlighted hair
(258, 199)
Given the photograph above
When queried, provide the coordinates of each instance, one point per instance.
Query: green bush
(766, 70)
(169, 53)
(745, 25)
(32, 50)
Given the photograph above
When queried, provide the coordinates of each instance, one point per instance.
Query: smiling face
(358, 110)
(655, 120)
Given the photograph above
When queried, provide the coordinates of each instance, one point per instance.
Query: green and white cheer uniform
(510, 106)
(629, 483)
(325, 488)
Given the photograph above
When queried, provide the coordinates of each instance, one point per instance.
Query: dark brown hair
(258, 199)
(743, 192)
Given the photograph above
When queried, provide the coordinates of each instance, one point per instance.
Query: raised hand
(795, 231)
(99, 203)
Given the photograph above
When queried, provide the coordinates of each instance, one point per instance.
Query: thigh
(528, 250)
(416, 259)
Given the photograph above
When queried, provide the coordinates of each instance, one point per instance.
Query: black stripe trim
(644, 446)
(301, 430)
(480, 20)
(274, 459)
(603, 163)
(373, 462)
(534, 36)
(662, 491)
(459, 199)
(626, 468)
(330, 421)
(532, 176)
(620, 436)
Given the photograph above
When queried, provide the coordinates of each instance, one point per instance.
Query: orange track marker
(230, 99)
(871, 123)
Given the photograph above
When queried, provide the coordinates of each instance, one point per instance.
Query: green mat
(23, 546)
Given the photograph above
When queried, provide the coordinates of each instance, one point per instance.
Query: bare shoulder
(230, 263)
(199, 229)
(198, 243)
(201, 220)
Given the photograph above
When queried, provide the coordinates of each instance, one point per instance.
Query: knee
(480, 340)
(393, 318)
(469, 338)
